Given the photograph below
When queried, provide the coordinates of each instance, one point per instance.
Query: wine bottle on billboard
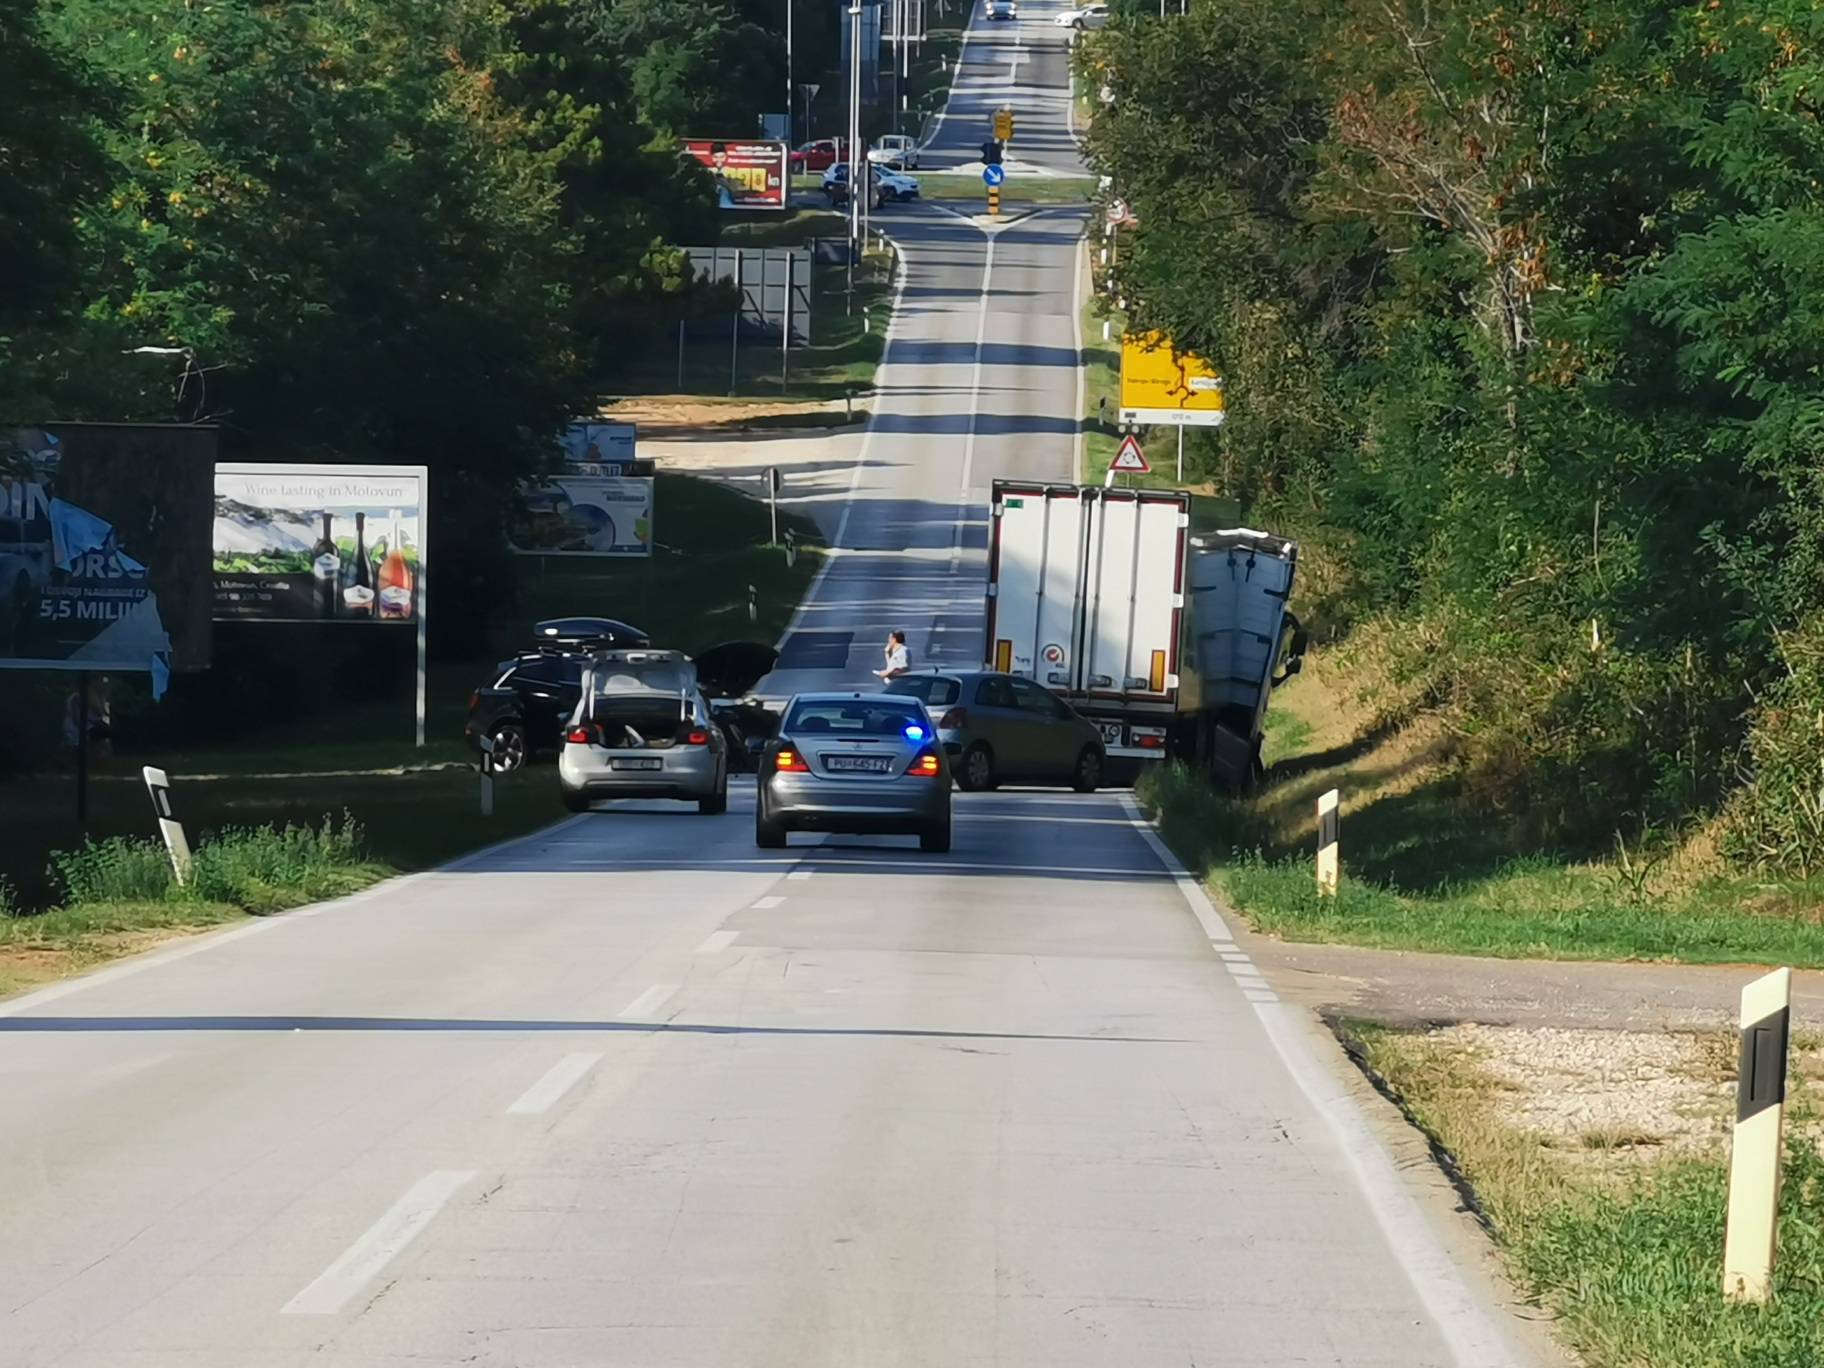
(395, 576)
(326, 567)
(358, 591)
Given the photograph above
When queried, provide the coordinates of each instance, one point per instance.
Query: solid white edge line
(716, 942)
(650, 1000)
(558, 1080)
(383, 1241)
(1076, 327)
(962, 49)
(211, 940)
(1472, 1337)
(975, 403)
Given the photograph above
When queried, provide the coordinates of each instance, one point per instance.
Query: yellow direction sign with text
(1161, 385)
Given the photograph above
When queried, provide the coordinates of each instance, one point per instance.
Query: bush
(258, 869)
(265, 869)
(1777, 817)
(118, 869)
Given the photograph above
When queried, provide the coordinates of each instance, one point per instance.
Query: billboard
(774, 284)
(1162, 385)
(319, 543)
(584, 515)
(104, 547)
(749, 175)
(588, 447)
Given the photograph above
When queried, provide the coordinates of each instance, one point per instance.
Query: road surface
(633, 1092)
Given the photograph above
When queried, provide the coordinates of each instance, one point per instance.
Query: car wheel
(977, 770)
(717, 802)
(509, 747)
(936, 841)
(576, 802)
(1087, 776)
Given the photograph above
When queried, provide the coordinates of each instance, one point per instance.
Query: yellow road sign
(1160, 384)
(1003, 125)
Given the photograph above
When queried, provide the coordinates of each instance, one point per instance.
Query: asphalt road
(633, 1092)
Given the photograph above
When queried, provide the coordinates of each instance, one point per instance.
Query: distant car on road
(1088, 17)
(852, 762)
(888, 185)
(523, 710)
(819, 155)
(894, 151)
(642, 729)
(1000, 9)
(1001, 728)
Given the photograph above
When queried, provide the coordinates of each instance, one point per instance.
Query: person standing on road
(899, 659)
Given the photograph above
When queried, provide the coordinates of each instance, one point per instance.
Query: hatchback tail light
(954, 720)
(788, 761)
(474, 703)
(585, 734)
(924, 765)
(693, 736)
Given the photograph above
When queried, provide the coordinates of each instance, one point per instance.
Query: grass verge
(1626, 1254)
(1422, 870)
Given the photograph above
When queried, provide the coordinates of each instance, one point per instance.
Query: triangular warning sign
(1130, 459)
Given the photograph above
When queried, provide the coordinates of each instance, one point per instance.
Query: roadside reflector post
(1755, 1150)
(1329, 833)
(178, 844)
(487, 774)
(753, 604)
(791, 548)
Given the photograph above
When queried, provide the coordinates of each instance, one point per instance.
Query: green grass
(1628, 1261)
(793, 228)
(848, 336)
(952, 186)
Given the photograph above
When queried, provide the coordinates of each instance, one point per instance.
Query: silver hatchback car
(852, 762)
(1003, 728)
(642, 729)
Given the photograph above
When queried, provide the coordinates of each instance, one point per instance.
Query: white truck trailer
(1168, 643)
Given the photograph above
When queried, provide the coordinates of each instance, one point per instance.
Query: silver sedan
(851, 762)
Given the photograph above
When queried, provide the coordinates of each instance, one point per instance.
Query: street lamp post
(855, 190)
(789, 139)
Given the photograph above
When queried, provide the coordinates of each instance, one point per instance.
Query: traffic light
(991, 154)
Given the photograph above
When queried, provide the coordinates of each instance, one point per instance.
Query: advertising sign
(584, 515)
(1162, 385)
(588, 446)
(319, 543)
(104, 547)
(749, 175)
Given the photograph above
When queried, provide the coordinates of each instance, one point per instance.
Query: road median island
(298, 809)
(1597, 1160)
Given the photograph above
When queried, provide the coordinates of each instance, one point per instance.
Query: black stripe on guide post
(1329, 825)
(1761, 1069)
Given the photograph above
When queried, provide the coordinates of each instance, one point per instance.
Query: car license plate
(859, 764)
(639, 763)
(1113, 733)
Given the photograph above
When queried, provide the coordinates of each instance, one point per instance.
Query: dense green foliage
(1517, 306)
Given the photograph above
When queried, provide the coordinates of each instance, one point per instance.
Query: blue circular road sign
(993, 175)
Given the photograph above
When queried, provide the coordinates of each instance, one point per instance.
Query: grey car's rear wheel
(509, 747)
(977, 770)
(935, 841)
(576, 802)
(717, 802)
(1088, 774)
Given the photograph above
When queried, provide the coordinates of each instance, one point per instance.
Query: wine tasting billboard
(319, 543)
(584, 515)
(104, 547)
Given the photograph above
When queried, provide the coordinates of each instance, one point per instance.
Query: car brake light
(1148, 740)
(788, 761)
(925, 765)
(585, 735)
(474, 701)
(953, 720)
(693, 736)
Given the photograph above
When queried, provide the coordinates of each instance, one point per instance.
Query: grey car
(642, 729)
(854, 762)
(1005, 728)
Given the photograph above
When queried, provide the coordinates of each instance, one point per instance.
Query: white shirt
(898, 659)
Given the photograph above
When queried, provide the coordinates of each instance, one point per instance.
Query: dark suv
(532, 695)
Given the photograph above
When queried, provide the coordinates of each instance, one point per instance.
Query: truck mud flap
(1231, 760)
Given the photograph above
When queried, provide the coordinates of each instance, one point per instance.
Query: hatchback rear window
(658, 676)
(882, 715)
(933, 690)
